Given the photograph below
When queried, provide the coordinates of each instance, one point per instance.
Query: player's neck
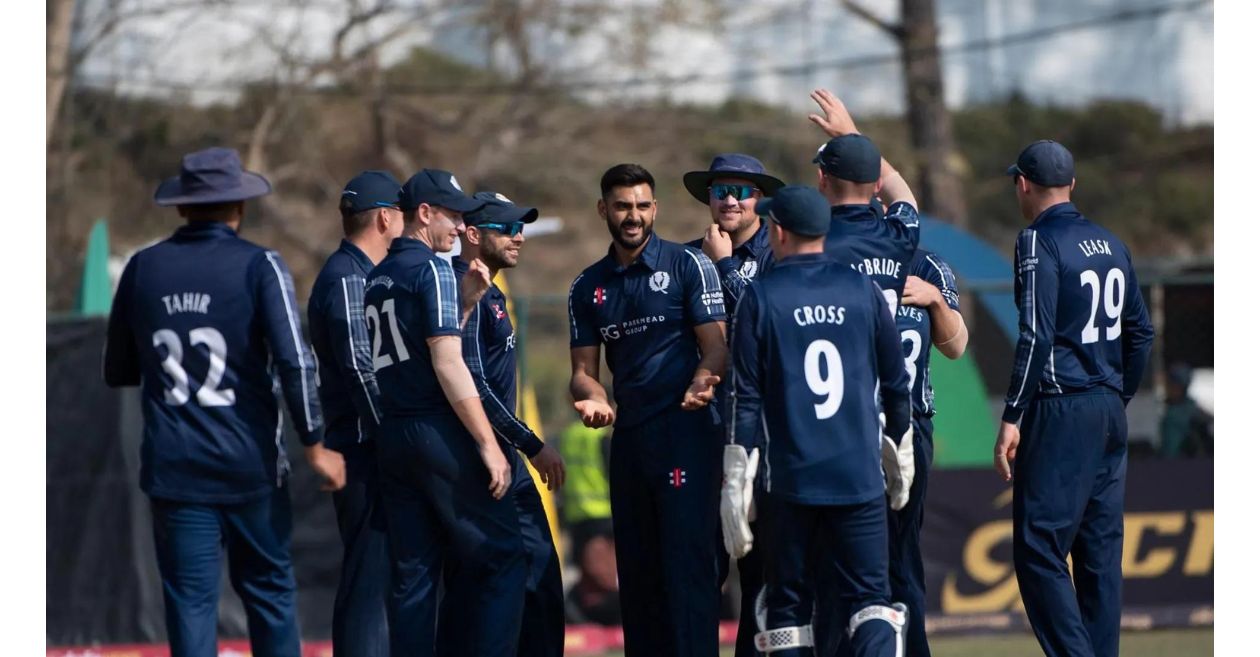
(626, 256)
(372, 246)
(467, 257)
(1043, 204)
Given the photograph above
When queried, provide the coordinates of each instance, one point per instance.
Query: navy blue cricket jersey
(915, 326)
(203, 322)
(411, 297)
(339, 335)
(645, 316)
(489, 348)
(880, 247)
(812, 340)
(745, 262)
(1082, 321)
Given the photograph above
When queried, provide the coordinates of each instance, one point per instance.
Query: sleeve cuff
(530, 445)
(1012, 414)
(726, 265)
(316, 436)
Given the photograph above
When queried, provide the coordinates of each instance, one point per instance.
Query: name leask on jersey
(1094, 247)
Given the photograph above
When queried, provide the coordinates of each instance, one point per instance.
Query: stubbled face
(731, 215)
(630, 213)
(444, 228)
(497, 250)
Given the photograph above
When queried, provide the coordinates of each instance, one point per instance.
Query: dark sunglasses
(511, 230)
(740, 192)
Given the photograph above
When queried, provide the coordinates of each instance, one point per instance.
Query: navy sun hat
(498, 209)
(370, 190)
(731, 165)
(213, 175)
(438, 188)
(1047, 163)
(851, 157)
(798, 209)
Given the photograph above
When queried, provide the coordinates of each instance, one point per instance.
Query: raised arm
(836, 121)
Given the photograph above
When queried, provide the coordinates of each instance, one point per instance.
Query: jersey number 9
(831, 387)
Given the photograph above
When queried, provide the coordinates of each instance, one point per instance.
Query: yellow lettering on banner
(1199, 554)
(1004, 595)
(1158, 560)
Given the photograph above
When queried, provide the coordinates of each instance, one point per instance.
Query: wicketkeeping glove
(898, 461)
(739, 469)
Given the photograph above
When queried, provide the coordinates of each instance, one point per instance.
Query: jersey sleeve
(894, 380)
(502, 419)
(937, 272)
(438, 297)
(745, 401)
(289, 352)
(702, 290)
(905, 220)
(121, 362)
(582, 329)
(351, 347)
(1137, 335)
(1036, 296)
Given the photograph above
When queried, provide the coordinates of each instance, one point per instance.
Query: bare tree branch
(896, 30)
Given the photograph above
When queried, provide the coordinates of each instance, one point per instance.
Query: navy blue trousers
(847, 547)
(664, 483)
(1069, 499)
(905, 558)
(360, 621)
(439, 508)
(751, 582)
(542, 622)
(190, 539)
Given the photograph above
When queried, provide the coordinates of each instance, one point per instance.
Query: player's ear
(602, 209)
(1072, 186)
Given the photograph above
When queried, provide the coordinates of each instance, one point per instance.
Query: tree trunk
(60, 19)
(937, 163)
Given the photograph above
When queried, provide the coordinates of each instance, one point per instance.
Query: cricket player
(1084, 338)
(203, 322)
(928, 316)
(656, 306)
(493, 236)
(370, 220)
(850, 172)
(738, 245)
(812, 340)
(443, 473)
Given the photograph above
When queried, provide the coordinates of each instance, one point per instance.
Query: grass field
(1155, 643)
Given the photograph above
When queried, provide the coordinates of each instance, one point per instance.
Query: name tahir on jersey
(1094, 247)
(878, 267)
(807, 315)
(187, 302)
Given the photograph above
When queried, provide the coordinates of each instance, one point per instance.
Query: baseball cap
(851, 157)
(798, 209)
(498, 209)
(370, 190)
(1047, 163)
(435, 187)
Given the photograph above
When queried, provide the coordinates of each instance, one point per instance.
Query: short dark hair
(211, 211)
(625, 175)
(353, 223)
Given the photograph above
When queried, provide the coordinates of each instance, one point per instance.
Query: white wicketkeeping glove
(739, 469)
(898, 461)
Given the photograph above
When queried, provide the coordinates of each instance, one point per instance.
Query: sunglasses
(511, 230)
(740, 192)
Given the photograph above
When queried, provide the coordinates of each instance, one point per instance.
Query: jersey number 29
(1113, 302)
(818, 354)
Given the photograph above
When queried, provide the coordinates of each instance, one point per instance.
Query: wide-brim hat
(731, 165)
(213, 175)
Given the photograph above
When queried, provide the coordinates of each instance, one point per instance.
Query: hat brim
(171, 191)
(508, 215)
(697, 182)
(462, 204)
(1013, 170)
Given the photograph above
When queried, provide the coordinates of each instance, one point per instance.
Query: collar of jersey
(1067, 208)
(853, 212)
(759, 242)
(201, 230)
(803, 259)
(356, 254)
(650, 257)
(410, 243)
